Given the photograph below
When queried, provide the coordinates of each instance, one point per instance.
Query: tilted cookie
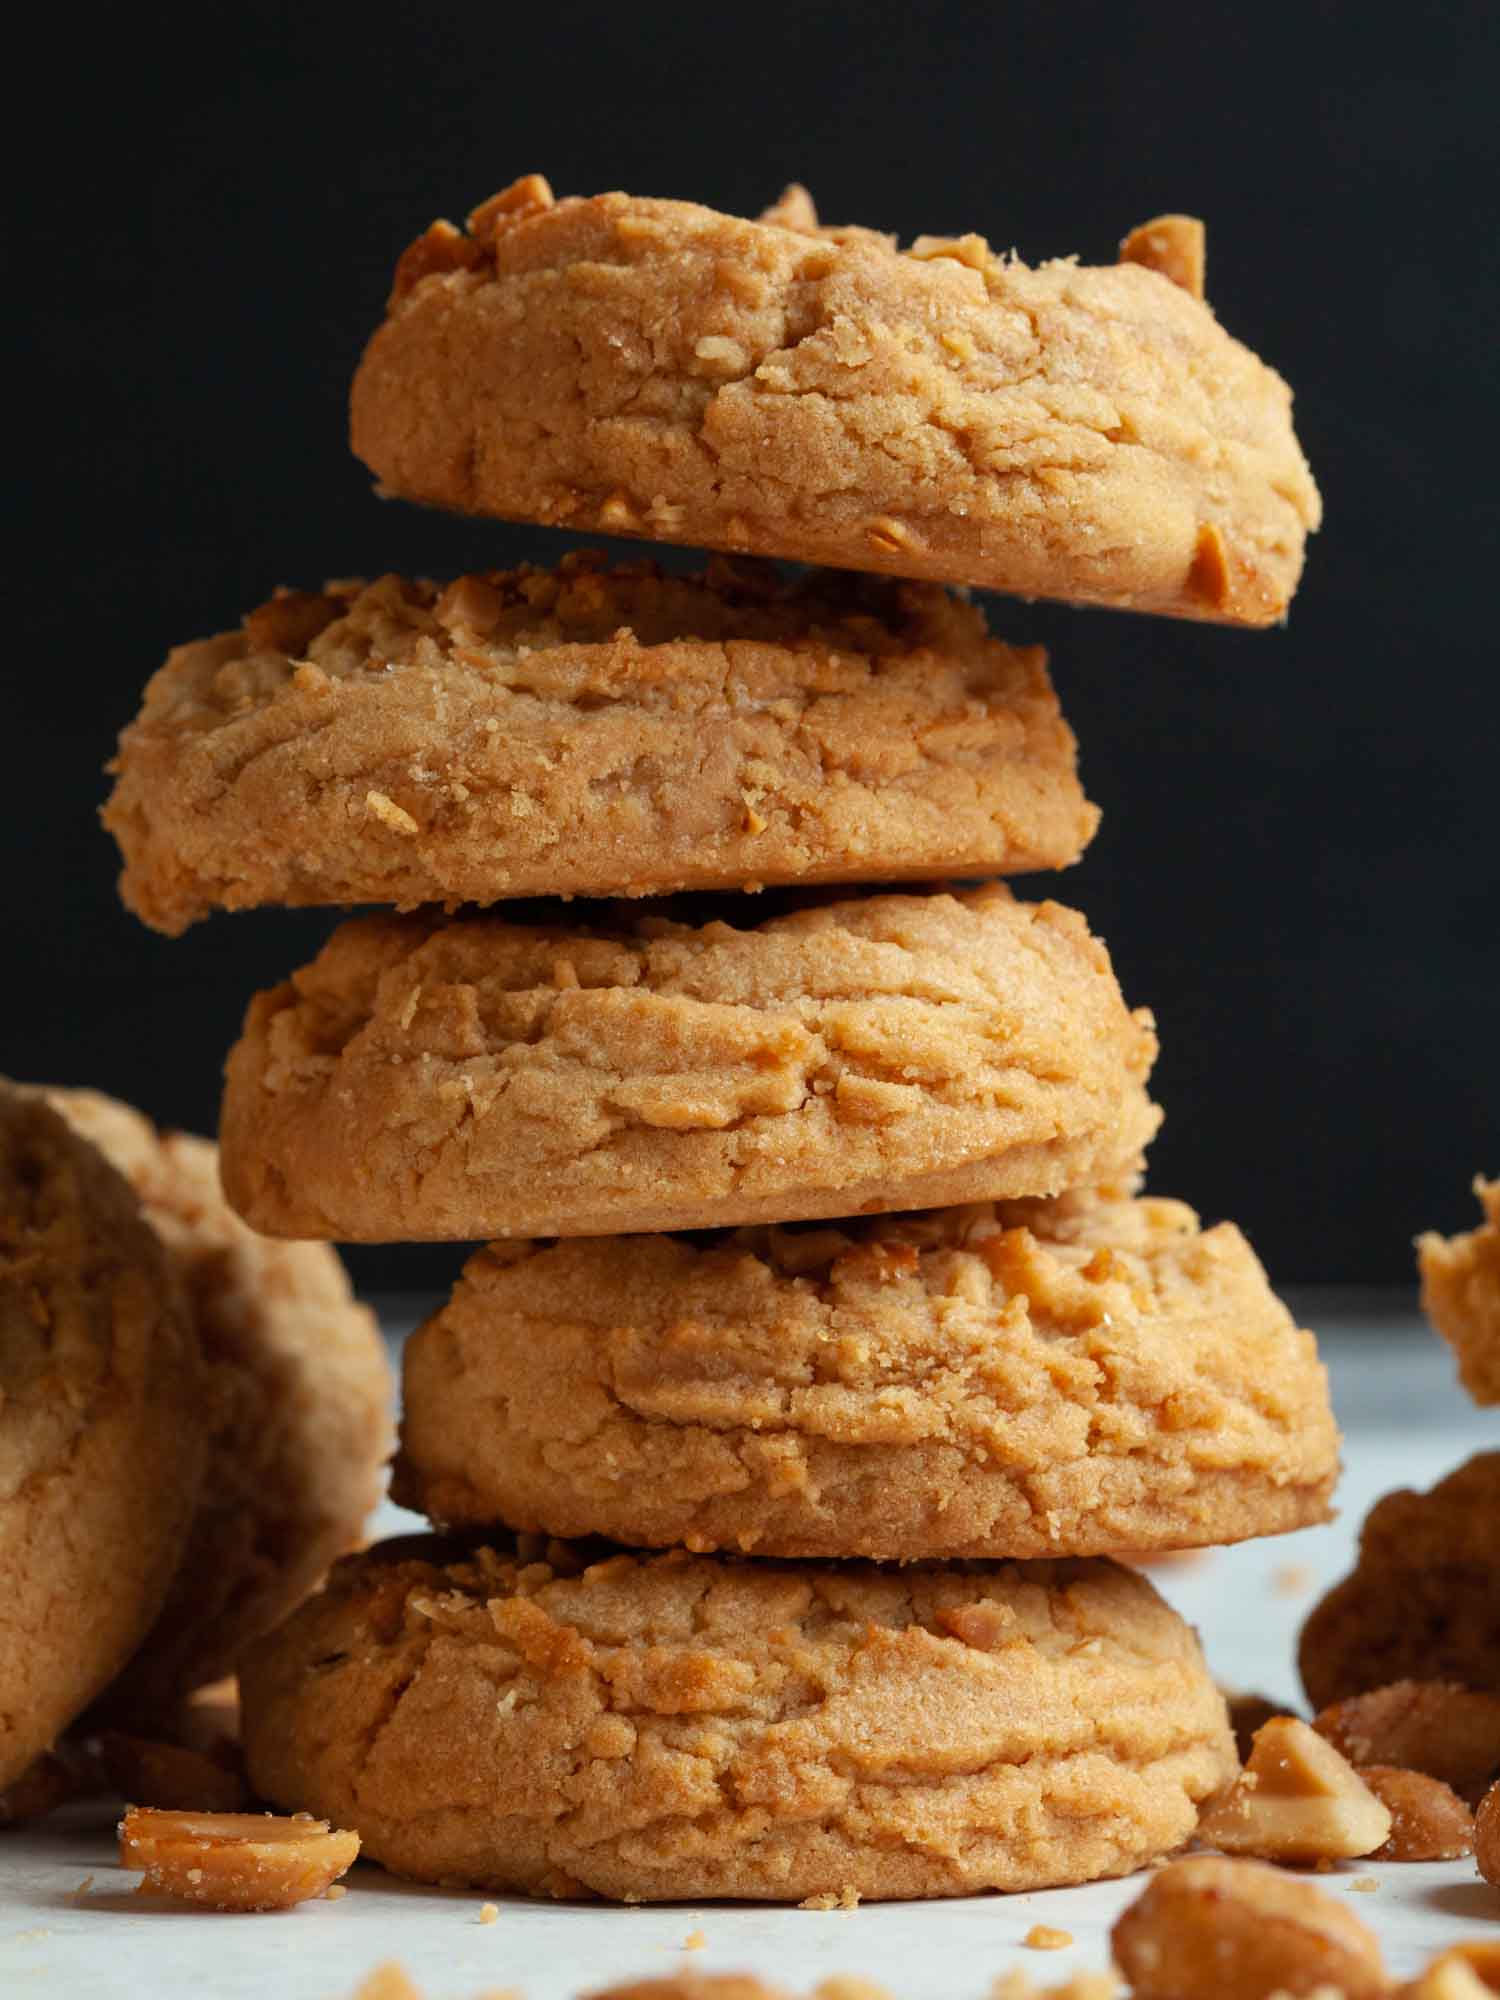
(677, 1726)
(1423, 1601)
(101, 1441)
(590, 732)
(653, 368)
(477, 1078)
(1062, 1378)
(296, 1408)
(1461, 1294)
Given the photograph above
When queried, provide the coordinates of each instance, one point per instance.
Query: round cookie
(1063, 1378)
(653, 368)
(1423, 1601)
(676, 1726)
(101, 1438)
(1461, 1294)
(593, 733)
(437, 1080)
(296, 1408)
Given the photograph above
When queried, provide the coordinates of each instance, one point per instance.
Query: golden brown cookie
(296, 1408)
(1062, 1378)
(676, 1726)
(653, 368)
(1461, 1294)
(101, 1445)
(590, 732)
(479, 1078)
(1423, 1601)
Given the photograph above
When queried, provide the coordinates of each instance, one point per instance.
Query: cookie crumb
(846, 1898)
(489, 1913)
(84, 1886)
(1043, 1937)
(335, 1892)
(1363, 1885)
(694, 1941)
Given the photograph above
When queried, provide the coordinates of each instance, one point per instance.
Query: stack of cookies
(822, 1349)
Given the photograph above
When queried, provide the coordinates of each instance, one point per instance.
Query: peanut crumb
(694, 1941)
(1292, 1579)
(846, 1898)
(1043, 1937)
(335, 1892)
(389, 813)
(1363, 1885)
(489, 1913)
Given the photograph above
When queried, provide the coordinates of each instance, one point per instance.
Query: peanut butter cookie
(101, 1445)
(439, 1080)
(588, 732)
(651, 1728)
(1461, 1294)
(296, 1408)
(1060, 1378)
(653, 368)
(1423, 1601)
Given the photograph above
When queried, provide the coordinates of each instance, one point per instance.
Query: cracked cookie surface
(295, 1406)
(654, 368)
(1461, 1294)
(590, 732)
(684, 1727)
(101, 1450)
(1423, 1600)
(1062, 1378)
(431, 1080)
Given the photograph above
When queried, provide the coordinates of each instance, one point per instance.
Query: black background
(1298, 862)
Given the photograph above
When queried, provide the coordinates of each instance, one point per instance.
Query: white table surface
(1405, 1424)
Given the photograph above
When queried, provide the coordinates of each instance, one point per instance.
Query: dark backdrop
(1297, 867)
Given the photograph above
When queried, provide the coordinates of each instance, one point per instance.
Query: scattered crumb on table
(1364, 1885)
(847, 1898)
(489, 1913)
(694, 1941)
(1043, 1937)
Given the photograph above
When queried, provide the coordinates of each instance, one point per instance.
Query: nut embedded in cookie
(1048, 1378)
(565, 1722)
(590, 732)
(639, 1068)
(776, 387)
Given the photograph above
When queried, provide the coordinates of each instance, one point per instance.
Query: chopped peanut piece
(1429, 1821)
(1247, 1714)
(1239, 1932)
(1487, 1835)
(1175, 245)
(1296, 1800)
(1448, 1731)
(234, 1861)
(1044, 1937)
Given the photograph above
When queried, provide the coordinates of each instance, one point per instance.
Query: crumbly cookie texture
(590, 732)
(654, 1728)
(1461, 1294)
(296, 1408)
(653, 368)
(1423, 1600)
(101, 1448)
(1058, 1378)
(483, 1078)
